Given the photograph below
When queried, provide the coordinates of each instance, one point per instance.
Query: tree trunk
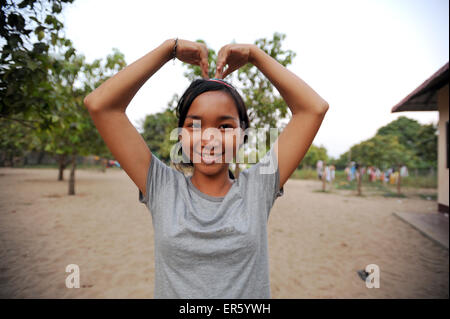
(237, 171)
(72, 176)
(62, 165)
(399, 181)
(358, 177)
(103, 168)
(11, 160)
(331, 180)
(40, 157)
(324, 178)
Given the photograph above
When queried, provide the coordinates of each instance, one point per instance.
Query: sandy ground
(317, 241)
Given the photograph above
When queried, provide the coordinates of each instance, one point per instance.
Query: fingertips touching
(219, 70)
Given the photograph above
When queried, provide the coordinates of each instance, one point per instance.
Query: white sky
(362, 57)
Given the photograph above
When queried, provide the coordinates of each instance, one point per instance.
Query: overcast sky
(362, 57)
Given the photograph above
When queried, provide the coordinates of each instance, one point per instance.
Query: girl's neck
(215, 185)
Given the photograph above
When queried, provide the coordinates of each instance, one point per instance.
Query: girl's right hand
(193, 53)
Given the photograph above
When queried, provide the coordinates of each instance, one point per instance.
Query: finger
(204, 67)
(218, 72)
(228, 71)
(219, 68)
(221, 62)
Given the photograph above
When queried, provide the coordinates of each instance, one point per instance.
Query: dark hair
(200, 86)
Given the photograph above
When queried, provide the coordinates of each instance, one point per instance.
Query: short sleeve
(266, 176)
(159, 178)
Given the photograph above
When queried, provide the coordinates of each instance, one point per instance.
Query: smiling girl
(210, 229)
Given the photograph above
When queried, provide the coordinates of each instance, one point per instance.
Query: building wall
(442, 149)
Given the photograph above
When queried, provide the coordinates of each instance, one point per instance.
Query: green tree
(425, 146)
(313, 155)
(404, 128)
(44, 81)
(383, 152)
(417, 138)
(29, 29)
(157, 132)
(72, 132)
(15, 139)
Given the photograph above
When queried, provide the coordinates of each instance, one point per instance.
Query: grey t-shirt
(211, 247)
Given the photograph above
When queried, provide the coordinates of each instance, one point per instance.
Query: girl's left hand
(235, 55)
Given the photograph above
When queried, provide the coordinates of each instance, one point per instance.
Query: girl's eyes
(198, 126)
(195, 125)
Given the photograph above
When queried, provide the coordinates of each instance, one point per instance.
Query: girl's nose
(211, 134)
(212, 144)
(211, 140)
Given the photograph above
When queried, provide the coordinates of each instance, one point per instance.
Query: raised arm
(307, 107)
(107, 105)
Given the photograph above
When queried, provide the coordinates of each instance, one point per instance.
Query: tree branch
(23, 122)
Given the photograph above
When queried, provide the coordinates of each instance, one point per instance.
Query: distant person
(373, 174)
(353, 171)
(404, 171)
(319, 167)
(387, 175)
(210, 229)
(369, 173)
(393, 177)
(329, 173)
(377, 174)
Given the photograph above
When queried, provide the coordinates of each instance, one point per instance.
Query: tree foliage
(421, 140)
(44, 81)
(29, 30)
(402, 141)
(313, 155)
(72, 131)
(156, 133)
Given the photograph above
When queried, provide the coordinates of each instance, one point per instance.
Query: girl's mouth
(208, 158)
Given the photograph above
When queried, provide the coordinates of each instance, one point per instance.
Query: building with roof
(432, 95)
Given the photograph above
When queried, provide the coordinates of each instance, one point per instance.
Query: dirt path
(317, 241)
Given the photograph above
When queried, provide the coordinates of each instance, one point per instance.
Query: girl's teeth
(209, 158)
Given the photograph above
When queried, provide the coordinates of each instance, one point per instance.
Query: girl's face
(211, 132)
